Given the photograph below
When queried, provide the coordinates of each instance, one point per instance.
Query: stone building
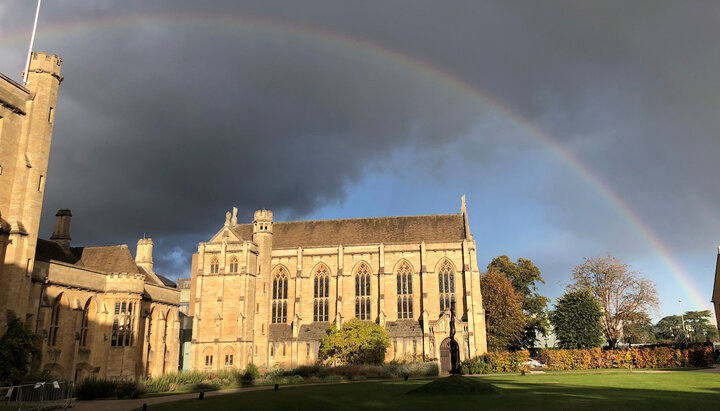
(27, 115)
(102, 313)
(716, 291)
(266, 292)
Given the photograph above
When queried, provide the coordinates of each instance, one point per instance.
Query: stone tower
(27, 117)
(263, 237)
(143, 254)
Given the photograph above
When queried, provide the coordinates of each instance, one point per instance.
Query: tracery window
(321, 294)
(123, 328)
(279, 296)
(54, 323)
(362, 292)
(214, 266)
(84, 325)
(404, 291)
(233, 265)
(446, 280)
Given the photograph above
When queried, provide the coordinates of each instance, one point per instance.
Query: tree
(503, 311)
(358, 342)
(639, 330)
(623, 294)
(18, 347)
(576, 320)
(524, 277)
(697, 328)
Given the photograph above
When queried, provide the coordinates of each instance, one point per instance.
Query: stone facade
(267, 292)
(27, 115)
(102, 313)
(716, 291)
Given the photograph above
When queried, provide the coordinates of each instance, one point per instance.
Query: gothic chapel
(266, 292)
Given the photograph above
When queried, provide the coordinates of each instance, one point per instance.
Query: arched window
(214, 266)
(446, 280)
(233, 264)
(362, 292)
(54, 323)
(123, 328)
(84, 324)
(404, 291)
(321, 294)
(279, 296)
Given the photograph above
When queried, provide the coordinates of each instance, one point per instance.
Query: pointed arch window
(446, 280)
(362, 292)
(84, 325)
(214, 266)
(404, 291)
(321, 285)
(123, 328)
(233, 264)
(54, 323)
(279, 296)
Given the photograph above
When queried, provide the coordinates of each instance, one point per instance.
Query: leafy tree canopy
(639, 330)
(697, 328)
(623, 294)
(505, 321)
(525, 276)
(576, 320)
(358, 342)
(18, 347)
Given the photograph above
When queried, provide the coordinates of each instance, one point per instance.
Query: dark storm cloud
(162, 129)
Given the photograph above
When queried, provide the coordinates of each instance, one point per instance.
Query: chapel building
(267, 292)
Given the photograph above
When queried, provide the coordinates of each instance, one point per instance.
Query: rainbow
(341, 43)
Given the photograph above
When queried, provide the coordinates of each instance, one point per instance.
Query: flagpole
(32, 40)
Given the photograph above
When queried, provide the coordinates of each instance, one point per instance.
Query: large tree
(18, 347)
(697, 328)
(639, 330)
(503, 311)
(576, 320)
(525, 276)
(357, 342)
(623, 294)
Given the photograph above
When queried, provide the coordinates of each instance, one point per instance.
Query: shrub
(92, 388)
(129, 389)
(251, 374)
(659, 357)
(358, 342)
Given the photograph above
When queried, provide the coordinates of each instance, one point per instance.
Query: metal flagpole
(32, 40)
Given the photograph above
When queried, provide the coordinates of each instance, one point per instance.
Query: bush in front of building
(658, 357)
(357, 342)
(93, 388)
(496, 362)
(250, 375)
(18, 347)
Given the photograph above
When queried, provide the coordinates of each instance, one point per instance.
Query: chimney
(61, 235)
(143, 255)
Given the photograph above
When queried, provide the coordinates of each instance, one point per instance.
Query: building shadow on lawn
(552, 394)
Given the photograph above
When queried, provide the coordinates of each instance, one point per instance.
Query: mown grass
(616, 391)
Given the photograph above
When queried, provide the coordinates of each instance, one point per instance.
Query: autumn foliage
(595, 358)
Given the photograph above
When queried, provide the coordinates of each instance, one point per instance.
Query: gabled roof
(355, 231)
(110, 259)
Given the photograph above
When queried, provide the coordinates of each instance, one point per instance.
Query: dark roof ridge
(368, 218)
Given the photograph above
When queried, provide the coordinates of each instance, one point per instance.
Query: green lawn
(613, 391)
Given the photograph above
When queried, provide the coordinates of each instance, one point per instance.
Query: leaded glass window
(362, 292)
(404, 291)
(123, 327)
(214, 266)
(446, 280)
(321, 286)
(233, 265)
(279, 296)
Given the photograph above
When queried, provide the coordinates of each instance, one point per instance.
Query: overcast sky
(173, 112)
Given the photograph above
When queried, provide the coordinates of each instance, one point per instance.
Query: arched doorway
(445, 362)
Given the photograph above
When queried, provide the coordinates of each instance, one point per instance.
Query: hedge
(659, 357)
(495, 362)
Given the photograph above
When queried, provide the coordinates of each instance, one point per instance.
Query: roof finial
(462, 206)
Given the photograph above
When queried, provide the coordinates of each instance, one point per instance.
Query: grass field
(615, 391)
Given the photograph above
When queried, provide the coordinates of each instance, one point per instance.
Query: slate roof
(279, 332)
(313, 331)
(355, 231)
(403, 328)
(166, 281)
